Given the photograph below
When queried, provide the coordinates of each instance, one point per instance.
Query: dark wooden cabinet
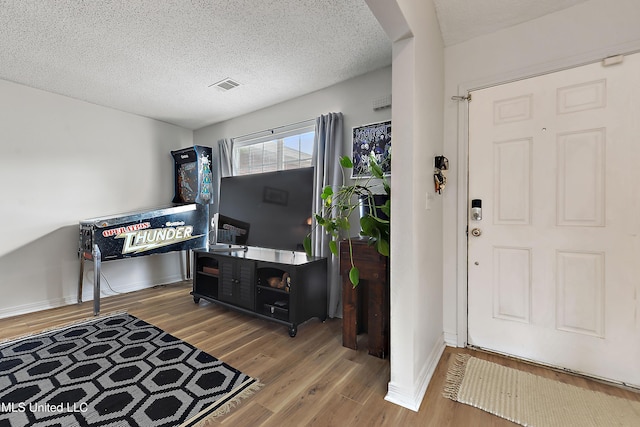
(237, 284)
(283, 286)
(365, 308)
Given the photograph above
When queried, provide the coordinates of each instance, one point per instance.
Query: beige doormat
(530, 400)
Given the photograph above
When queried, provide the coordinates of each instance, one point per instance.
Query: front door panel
(554, 263)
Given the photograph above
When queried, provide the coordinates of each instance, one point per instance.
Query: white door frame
(463, 157)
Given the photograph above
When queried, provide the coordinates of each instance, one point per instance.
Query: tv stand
(286, 287)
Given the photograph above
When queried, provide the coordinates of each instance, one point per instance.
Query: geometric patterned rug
(114, 371)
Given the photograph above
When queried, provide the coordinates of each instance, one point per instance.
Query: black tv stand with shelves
(282, 286)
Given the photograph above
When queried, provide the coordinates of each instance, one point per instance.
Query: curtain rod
(272, 130)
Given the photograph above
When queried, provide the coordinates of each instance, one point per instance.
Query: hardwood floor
(310, 380)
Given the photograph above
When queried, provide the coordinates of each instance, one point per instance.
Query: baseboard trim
(106, 292)
(399, 396)
(451, 339)
(412, 398)
(86, 296)
(35, 306)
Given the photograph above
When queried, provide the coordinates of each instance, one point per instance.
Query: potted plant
(339, 205)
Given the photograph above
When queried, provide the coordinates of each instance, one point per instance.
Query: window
(287, 147)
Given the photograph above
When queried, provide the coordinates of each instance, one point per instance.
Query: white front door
(554, 274)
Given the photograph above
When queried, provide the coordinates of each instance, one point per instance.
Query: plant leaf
(383, 247)
(326, 192)
(321, 221)
(354, 276)
(386, 208)
(376, 169)
(307, 244)
(346, 162)
(333, 247)
(368, 225)
(343, 223)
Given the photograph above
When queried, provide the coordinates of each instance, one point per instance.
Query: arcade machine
(181, 226)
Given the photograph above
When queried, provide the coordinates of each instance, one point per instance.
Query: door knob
(476, 232)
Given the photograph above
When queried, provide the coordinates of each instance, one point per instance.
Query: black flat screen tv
(268, 210)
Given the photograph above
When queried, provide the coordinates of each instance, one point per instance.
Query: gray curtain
(326, 154)
(225, 168)
(225, 147)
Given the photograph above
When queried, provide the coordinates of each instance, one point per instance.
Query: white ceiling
(157, 58)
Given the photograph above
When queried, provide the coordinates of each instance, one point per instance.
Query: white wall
(416, 259)
(574, 36)
(353, 98)
(62, 161)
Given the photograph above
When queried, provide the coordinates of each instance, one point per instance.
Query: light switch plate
(429, 200)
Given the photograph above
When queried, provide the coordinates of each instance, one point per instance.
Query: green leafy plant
(340, 204)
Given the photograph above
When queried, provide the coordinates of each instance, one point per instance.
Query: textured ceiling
(157, 58)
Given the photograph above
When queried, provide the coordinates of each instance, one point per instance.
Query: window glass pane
(268, 168)
(241, 155)
(270, 153)
(255, 155)
(290, 155)
(292, 142)
(287, 152)
(241, 158)
(306, 143)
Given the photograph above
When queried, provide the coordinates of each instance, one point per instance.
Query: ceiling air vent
(226, 84)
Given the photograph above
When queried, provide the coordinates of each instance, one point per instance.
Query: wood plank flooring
(310, 380)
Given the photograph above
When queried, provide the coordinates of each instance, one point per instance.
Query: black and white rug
(114, 371)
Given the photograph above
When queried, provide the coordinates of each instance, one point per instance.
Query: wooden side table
(366, 307)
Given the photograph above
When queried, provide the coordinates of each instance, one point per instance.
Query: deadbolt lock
(476, 232)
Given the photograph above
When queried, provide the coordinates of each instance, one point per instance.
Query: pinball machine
(181, 226)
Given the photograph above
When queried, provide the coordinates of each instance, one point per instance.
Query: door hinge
(612, 60)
